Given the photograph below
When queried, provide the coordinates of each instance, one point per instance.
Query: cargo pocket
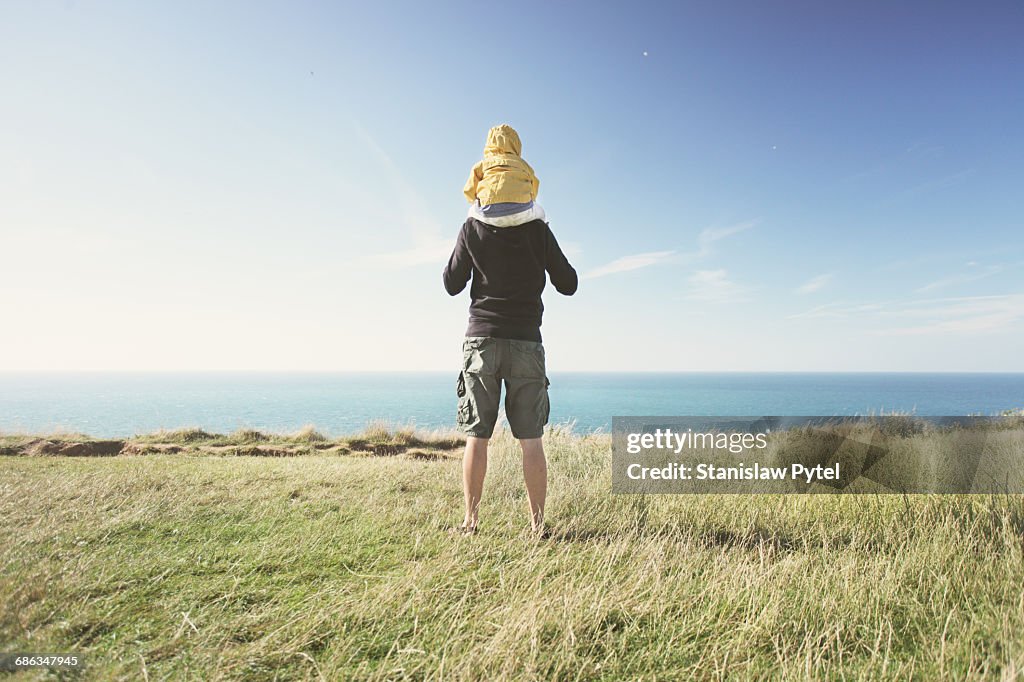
(479, 356)
(527, 359)
(465, 408)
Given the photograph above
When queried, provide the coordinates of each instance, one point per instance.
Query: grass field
(208, 557)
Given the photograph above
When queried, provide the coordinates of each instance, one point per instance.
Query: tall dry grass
(340, 567)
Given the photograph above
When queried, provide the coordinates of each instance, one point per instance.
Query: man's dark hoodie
(507, 265)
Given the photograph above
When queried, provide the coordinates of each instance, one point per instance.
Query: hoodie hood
(503, 139)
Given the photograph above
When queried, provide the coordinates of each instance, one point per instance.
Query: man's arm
(459, 267)
(563, 276)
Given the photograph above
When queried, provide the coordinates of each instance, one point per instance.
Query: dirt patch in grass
(375, 442)
(427, 455)
(42, 447)
(151, 449)
(253, 450)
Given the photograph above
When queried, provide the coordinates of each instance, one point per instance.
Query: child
(502, 188)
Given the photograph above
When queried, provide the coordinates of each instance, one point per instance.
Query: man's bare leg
(474, 469)
(535, 471)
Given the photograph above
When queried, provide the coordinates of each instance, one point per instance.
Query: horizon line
(556, 371)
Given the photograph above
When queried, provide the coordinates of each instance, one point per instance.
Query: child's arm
(475, 176)
(535, 180)
(459, 267)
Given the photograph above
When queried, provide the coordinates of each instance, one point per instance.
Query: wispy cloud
(572, 250)
(939, 183)
(814, 284)
(975, 273)
(919, 150)
(963, 315)
(953, 257)
(426, 242)
(708, 236)
(437, 251)
(839, 309)
(713, 286)
(706, 241)
(627, 263)
(968, 314)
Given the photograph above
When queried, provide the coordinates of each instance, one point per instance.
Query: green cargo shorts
(486, 362)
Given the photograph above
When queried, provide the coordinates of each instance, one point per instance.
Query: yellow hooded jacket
(502, 176)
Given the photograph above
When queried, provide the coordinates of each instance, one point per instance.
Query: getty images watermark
(821, 454)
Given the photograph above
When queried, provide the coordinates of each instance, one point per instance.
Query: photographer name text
(667, 440)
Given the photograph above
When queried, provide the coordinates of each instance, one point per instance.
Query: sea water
(123, 404)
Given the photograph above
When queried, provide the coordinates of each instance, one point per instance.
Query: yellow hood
(503, 139)
(503, 175)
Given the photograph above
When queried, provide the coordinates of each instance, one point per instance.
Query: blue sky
(807, 186)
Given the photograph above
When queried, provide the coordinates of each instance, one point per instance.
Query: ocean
(123, 404)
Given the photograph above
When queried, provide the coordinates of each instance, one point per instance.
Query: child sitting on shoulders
(502, 188)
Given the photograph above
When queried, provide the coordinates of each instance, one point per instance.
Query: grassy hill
(270, 557)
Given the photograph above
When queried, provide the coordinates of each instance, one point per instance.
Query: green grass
(209, 564)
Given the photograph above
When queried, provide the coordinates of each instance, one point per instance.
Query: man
(503, 344)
